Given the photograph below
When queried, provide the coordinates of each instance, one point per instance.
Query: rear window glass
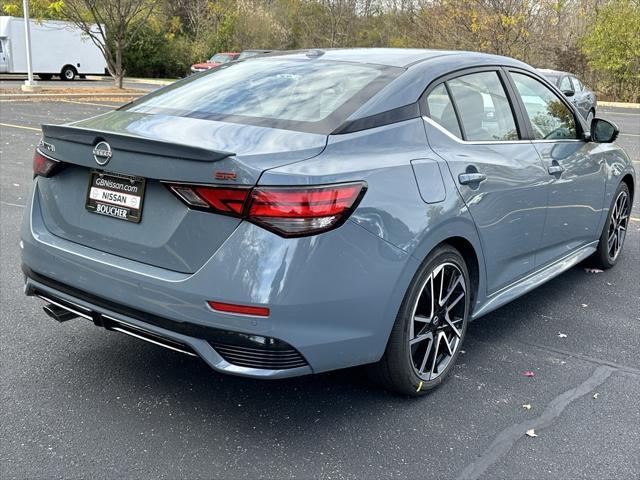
(311, 95)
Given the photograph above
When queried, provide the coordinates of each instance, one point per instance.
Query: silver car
(584, 99)
(298, 213)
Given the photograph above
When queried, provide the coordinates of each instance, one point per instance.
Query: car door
(471, 123)
(584, 99)
(575, 167)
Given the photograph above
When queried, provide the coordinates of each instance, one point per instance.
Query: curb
(149, 81)
(31, 96)
(618, 104)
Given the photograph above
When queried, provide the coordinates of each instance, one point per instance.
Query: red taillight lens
(43, 165)
(287, 211)
(293, 211)
(228, 201)
(239, 309)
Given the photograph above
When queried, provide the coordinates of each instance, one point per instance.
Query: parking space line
(89, 103)
(609, 112)
(629, 135)
(19, 126)
(634, 219)
(2, 202)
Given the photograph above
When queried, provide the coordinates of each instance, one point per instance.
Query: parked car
(217, 59)
(252, 53)
(584, 99)
(58, 49)
(312, 211)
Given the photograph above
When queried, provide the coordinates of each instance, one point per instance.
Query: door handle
(555, 169)
(467, 178)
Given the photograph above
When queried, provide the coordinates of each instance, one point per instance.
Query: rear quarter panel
(392, 208)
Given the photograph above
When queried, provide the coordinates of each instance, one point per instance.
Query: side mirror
(603, 131)
(568, 93)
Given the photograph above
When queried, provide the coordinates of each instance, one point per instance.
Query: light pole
(29, 84)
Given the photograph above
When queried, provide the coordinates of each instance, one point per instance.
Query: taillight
(43, 165)
(298, 211)
(225, 200)
(287, 211)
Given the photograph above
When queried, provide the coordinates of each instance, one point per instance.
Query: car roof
(548, 71)
(396, 57)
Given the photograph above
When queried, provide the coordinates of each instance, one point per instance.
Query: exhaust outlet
(59, 314)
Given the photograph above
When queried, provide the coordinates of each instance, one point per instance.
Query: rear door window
(483, 107)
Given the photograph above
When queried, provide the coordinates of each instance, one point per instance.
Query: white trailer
(57, 48)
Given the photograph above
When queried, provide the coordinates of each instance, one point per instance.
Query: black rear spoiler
(132, 143)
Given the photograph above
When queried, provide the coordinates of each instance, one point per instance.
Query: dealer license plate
(116, 195)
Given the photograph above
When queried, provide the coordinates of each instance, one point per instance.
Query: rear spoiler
(133, 143)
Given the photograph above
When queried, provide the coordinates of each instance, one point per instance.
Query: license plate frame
(116, 195)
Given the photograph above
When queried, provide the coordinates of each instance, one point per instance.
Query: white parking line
(89, 103)
(24, 127)
(608, 112)
(12, 204)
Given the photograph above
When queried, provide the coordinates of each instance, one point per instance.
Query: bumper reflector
(239, 309)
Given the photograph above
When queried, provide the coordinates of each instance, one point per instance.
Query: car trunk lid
(159, 149)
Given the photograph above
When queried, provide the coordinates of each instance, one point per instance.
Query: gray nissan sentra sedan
(310, 211)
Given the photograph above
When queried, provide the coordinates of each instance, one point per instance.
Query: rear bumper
(218, 348)
(333, 298)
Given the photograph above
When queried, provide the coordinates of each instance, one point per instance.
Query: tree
(118, 23)
(38, 9)
(612, 45)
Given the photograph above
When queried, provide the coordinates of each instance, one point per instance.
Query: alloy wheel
(437, 323)
(618, 225)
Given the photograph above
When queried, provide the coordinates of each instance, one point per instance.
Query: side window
(550, 118)
(577, 85)
(565, 84)
(481, 102)
(441, 110)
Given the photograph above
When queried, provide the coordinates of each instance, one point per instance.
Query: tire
(409, 365)
(45, 76)
(68, 73)
(616, 225)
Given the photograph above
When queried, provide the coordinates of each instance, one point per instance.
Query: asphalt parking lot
(78, 401)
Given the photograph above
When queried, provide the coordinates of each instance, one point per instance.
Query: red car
(217, 59)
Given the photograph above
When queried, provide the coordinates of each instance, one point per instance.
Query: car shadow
(139, 370)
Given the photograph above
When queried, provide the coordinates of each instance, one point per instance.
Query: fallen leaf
(528, 373)
(562, 335)
(526, 406)
(609, 283)
(593, 270)
(531, 433)
(595, 396)
(584, 305)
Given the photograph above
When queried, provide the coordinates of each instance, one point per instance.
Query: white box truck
(57, 48)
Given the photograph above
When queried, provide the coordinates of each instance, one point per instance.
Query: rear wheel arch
(468, 252)
(628, 179)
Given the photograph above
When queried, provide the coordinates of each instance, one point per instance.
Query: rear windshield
(305, 95)
(221, 57)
